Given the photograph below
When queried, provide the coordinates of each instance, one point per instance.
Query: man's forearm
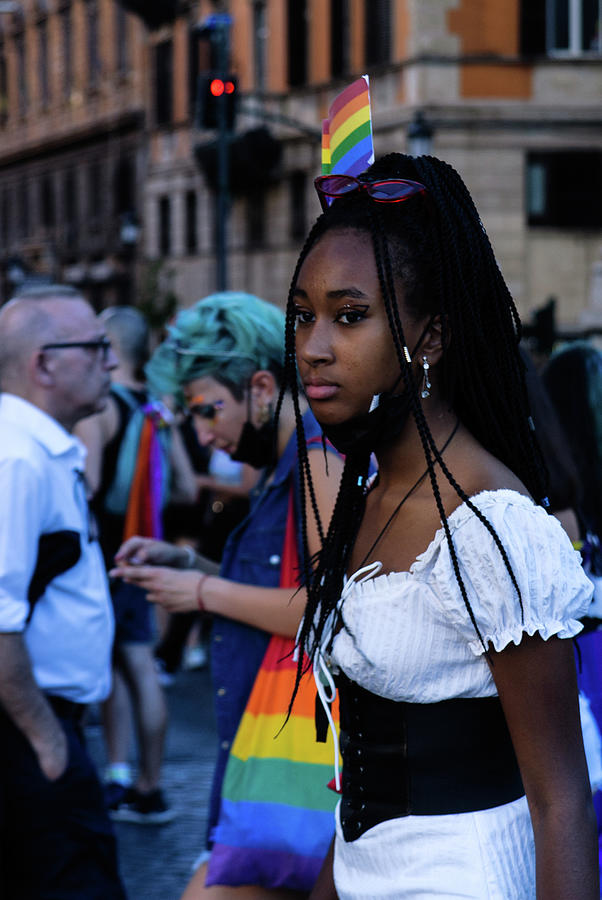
(25, 704)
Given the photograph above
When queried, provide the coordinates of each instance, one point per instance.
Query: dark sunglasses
(198, 407)
(390, 190)
(102, 344)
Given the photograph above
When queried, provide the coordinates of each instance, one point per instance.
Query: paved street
(156, 860)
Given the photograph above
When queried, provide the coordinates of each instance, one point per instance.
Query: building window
(124, 183)
(4, 235)
(44, 80)
(3, 85)
(339, 37)
(564, 189)
(192, 240)
(573, 26)
(377, 32)
(23, 223)
(164, 226)
(297, 194)
(561, 27)
(121, 39)
(297, 42)
(21, 71)
(92, 42)
(47, 205)
(95, 193)
(66, 48)
(163, 82)
(70, 198)
(255, 218)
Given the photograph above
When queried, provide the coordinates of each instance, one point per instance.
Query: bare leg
(196, 890)
(116, 720)
(150, 711)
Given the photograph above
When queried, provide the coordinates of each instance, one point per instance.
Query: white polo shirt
(70, 634)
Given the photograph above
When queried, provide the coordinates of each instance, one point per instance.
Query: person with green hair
(223, 359)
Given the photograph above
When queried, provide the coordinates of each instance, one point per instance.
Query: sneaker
(115, 794)
(143, 809)
(166, 679)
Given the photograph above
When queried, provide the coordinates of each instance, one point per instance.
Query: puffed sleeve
(554, 591)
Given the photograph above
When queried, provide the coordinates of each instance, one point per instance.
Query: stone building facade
(73, 104)
(512, 91)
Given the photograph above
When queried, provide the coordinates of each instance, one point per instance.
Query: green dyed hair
(227, 336)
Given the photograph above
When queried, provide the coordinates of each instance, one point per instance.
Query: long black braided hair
(436, 245)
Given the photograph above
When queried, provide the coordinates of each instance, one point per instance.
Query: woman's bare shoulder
(476, 470)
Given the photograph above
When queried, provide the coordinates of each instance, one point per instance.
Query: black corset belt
(421, 759)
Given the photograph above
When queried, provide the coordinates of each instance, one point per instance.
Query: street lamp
(420, 136)
(130, 230)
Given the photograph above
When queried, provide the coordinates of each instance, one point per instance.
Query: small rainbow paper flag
(347, 147)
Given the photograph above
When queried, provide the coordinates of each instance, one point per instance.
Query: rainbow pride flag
(276, 819)
(347, 147)
(275, 794)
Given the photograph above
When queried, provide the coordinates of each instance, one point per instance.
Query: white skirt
(484, 855)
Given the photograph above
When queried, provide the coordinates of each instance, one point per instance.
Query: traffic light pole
(222, 35)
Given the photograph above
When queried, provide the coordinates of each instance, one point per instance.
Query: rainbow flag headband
(347, 147)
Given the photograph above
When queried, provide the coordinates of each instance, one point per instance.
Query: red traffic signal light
(212, 92)
(218, 87)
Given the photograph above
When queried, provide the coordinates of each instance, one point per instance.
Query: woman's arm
(277, 610)
(324, 888)
(537, 684)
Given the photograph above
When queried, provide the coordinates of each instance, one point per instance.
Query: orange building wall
(319, 41)
(502, 82)
(276, 52)
(490, 27)
(242, 44)
(356, 34)
(486, 26)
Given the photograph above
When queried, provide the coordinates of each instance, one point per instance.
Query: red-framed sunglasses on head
(389, 190)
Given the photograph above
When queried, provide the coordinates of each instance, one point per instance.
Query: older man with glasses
(56, 619)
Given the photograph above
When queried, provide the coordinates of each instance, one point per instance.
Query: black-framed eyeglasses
(388, 190)
(102, 344)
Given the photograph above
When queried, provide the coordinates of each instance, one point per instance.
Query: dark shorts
(133, 619)
(56, 839)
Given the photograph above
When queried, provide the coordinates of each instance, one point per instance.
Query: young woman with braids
(444, 592)
(224, 358)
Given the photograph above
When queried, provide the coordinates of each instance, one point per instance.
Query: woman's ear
(264, 388)
(432, 344)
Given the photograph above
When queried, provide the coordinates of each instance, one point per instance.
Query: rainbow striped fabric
(276, 820)
(347, 147)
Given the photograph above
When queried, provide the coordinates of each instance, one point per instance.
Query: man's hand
(52, 750)
(28, 708)
(138, 551)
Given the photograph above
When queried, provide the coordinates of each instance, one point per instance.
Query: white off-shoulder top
(409, 637)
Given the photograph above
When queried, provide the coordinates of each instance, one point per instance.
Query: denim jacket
(252, 555)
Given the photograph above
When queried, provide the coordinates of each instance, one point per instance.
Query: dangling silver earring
(426, 385)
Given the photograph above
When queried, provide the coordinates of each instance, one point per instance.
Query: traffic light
(211, 92)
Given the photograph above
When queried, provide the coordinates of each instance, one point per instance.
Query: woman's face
(345, 350)
(217, 416)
